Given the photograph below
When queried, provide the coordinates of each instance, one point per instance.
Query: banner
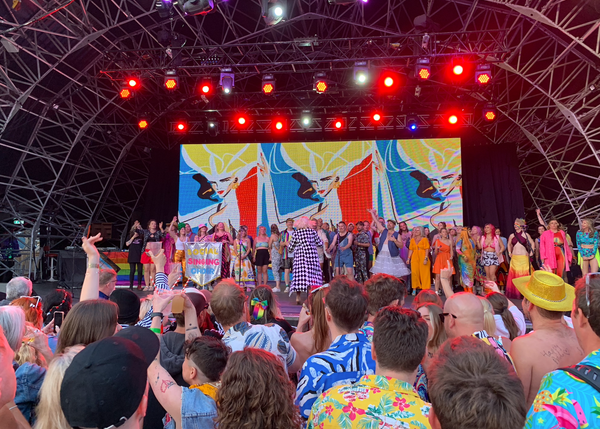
(203, 262)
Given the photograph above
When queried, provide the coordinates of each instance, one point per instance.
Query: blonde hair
(302, 222)
(26, 353)
(49, 413)
(145, 306)
(489, 323)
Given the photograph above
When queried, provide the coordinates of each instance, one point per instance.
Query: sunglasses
(37, 298)
(587, 292)
(444, 315)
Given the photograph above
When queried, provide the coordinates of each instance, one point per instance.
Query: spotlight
(133, 83)
(268, 84)
(306, 119)
(412, 124)
(452, 119)
(320, 84)
(483, 74)
(338, 123)
(126, 92)
(181, 126)
(196, 7)
(273, 11)
(143, 124)
(423, 70)
(389, 82)
(227, 80)
(376, 117)
(212, 127)
(171, 80)
(458, 69)
(164, 8)
(361, 72)
(242, 121)
(206, 87)
(279, 125)
(489, 113)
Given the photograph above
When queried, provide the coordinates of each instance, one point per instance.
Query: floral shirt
(367, 330)
(269, 337)
(565, 401)
(374, 402)
(345, 362)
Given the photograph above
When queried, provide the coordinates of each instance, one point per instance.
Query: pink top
(496, 245)
(547, 249)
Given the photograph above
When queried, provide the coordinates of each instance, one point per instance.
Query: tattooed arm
(165, 389)
(191, 320)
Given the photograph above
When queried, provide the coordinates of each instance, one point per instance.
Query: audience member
(349, 355)
(317, 338)
(56, 300)
(49, 414)
(263, 309)
(106, 384)
(568, 397)
(32, 307)
(129, 306)
(510, 322)
(427, 295)
(551, 345)
(387, 398)
(463, 315)
(228, 302)
(16, 288)
(489, 324)
(382, 290)
(10, 415)
(431, 313)
(107, 281)
(256, 393)
(471, 386)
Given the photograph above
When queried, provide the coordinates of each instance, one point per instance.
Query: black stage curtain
(162, 190)
(492, 191)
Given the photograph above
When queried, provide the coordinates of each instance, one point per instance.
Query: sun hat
(546, 290)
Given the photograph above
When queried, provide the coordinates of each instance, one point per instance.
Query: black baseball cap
(104, 385)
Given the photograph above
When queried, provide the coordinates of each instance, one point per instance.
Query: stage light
(320, 84)
(483, 74)
(306, 119)
(126, 93)
(206, 87)
(361, 72)
(422, 69)
(227, 80)
(268, 84)
(279, 125)
(338, 123)
(376, 117)
(388, 82)
(412, 123)
(164, 8)
(212, 127)
(143, 124)
(196, 7)
(242, 120)
(133, 83)
(273, 11)
(489, 113)
(452, 119)
(171, 80)
(181, 126)
(458, 69)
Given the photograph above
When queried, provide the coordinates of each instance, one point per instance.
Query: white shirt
(179, 245)
(501, 330)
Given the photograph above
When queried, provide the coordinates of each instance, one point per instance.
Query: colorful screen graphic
(416, 181)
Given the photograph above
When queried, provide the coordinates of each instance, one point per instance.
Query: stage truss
(72, 153)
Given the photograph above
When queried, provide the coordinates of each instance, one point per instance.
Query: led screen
(416, 181)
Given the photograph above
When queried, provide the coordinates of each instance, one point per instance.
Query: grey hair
(302, 222)
(12, 320)
(18, 287)
(106, 276)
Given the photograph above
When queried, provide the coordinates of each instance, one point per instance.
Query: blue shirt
(102, 295)
(565, 401)
(198, 411)
(345, 362)
(29, 382)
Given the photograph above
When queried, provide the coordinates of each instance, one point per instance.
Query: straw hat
(546, 290)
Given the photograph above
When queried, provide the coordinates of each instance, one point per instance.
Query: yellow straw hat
(546, 290)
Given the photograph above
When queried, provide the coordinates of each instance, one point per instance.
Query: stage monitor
(418, 181)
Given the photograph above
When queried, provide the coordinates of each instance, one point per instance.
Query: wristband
(93, 265)
(156, 314)
(155, 330)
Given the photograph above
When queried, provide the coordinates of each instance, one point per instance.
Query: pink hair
(493, 232)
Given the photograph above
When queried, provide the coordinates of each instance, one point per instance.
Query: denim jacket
(29, 382)
(198, 411)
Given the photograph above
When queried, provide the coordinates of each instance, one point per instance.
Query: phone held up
(58, 319)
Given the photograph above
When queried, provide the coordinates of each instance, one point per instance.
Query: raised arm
(90, 288)
(540, 218)
(376, 222)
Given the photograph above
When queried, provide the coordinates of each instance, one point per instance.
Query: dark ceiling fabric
(492, 189)
(162, 189)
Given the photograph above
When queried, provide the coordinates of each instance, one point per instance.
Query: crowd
(356, 359)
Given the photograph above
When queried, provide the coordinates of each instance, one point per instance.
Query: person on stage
(388, 259)
(555, 251)
(134, 257)
(261, 255)
(151, 235)
(287, 255)
(443, 255)
(520, 249)
(587, 243)
(466, 250)
(276, 249)
(420, 263)
(405, 237)
(222, 236)
(492, 249)
(342, 246)
(241, 270)
(361, 255)
(202, 235)
(180, 238)
(307, 269)
(323, 253)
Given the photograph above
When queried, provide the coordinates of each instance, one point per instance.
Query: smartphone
(58, 319)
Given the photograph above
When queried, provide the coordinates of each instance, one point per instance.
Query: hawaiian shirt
(374, 402)
(491, 341)
(345, 362)
(269, 337)
(565, 401)
(367, 329)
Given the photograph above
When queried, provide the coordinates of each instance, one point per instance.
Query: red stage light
(125, 93)
(133, 83)
(321, 86)
(453, 119)
(206, 89)
(143, 124)
(171, 83)
(181, 126)
(458, 69)
(338, 124)
(242, 120)
(423, 73)
(268, 88)
(489, 115)
(484, 78)
(388, 81)
(376, 117)
(279, 125)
